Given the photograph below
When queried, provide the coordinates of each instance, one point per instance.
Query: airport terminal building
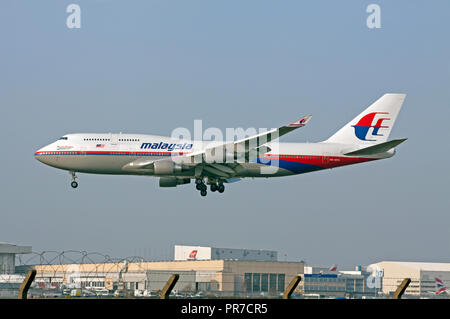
(219, 278)
(423, 276)
(220, 272)
(321, 281)
(239, 277)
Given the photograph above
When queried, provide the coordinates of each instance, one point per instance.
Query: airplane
(440, 289)
(177, 161)
(440, 286)
(333, 268)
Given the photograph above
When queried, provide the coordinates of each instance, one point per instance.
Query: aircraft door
(113, 138)
(83, 150)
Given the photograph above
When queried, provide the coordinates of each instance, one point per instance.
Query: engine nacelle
(173, 181)
(166, 167)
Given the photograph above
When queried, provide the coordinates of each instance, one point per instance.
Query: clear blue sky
(152, 66)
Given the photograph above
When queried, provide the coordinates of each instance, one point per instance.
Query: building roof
(225, 248)
(426, 266)
(6, 248)
(321, 275)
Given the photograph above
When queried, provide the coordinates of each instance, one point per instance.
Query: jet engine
(166, 167)
(173, 181)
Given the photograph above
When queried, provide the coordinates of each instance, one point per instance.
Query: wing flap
(215, 171)
(223, 168)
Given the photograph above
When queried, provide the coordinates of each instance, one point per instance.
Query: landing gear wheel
(198, 181)
(74, 184)
(198, 187)
(221, 188)
(214, 187)
(203, 192)
(203, 187)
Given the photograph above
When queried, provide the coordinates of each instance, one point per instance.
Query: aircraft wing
(241, 149)
(256, 141)
(223, 161)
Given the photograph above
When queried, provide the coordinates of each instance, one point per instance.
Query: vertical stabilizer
(372, 126)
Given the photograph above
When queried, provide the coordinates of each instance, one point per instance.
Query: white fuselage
(109, 153)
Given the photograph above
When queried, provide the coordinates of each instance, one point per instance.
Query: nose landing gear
(74, 184)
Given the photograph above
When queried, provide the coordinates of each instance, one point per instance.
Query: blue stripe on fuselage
(294, 167)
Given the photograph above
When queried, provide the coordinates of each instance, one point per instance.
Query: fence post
(401, 289)
(291, 287)
(165, 292)
(23, 290)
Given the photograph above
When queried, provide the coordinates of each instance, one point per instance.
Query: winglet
(301, 122)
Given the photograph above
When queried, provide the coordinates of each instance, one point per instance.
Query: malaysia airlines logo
(367, 122)
(193, 254)
(301, 122)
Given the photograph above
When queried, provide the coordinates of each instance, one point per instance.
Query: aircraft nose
(38, 155)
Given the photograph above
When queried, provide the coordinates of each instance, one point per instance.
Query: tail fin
(440, 287)
(373, 125)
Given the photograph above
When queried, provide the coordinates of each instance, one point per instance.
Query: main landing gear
(215, 186)
(74, 184)
(200, 186)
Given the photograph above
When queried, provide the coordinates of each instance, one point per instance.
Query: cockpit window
(63, 138)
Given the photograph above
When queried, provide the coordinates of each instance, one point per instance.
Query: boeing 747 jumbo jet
(177, 162)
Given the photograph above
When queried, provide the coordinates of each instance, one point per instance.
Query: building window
(265, 282)
(256, 282)
(273, 282)
(247, 282)
(281, 282)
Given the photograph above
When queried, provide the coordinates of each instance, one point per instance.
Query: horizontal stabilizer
(378, 148)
